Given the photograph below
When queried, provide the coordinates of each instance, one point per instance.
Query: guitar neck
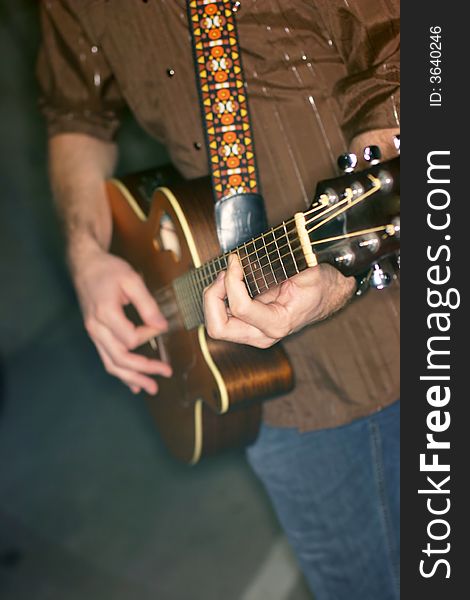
(348, 229)
(266, 260)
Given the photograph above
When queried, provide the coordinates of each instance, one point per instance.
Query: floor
(91, 506)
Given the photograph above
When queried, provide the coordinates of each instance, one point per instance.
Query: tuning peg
(347, 162)
(372, 154)
(396, 142)
(379, 278)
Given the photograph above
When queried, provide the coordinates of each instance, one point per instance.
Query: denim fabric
(336, 493)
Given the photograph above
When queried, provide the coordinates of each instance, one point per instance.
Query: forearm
(79, 165)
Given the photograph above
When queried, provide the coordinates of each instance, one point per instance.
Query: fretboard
(267, 261)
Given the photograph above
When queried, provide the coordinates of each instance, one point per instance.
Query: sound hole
(166, 237)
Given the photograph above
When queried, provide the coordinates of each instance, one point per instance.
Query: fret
(189, 299)
(290, 247)
(196, 282)
(192, 295)
(183, 303)
(222, 260)
(263, 266)
(200, 280)
(196, 295)
(275, 282)
(260, 264)
(207, 276)
(251, 291)
(279, 254)
(301, 260)
(218, 265)
(221, 264)
(255, 267)
(212, 272)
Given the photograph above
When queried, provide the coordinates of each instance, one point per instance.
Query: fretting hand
(306, 298)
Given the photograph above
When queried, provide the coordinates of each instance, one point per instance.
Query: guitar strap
(239, 208)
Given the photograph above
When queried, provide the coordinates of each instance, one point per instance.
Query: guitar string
(349, 194)
(341, 207)
(206, 279)
(349, 204)
(209, 278)
(194, 311)
(269, 253)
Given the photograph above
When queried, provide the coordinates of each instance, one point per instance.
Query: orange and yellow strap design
(223, 97)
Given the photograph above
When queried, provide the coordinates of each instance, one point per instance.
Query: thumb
(137, 293)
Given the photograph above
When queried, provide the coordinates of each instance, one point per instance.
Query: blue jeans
(336, 493)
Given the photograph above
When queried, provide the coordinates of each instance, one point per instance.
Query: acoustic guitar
(164, 227)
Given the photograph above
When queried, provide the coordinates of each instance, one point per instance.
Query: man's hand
(105, 284)
(308, 297)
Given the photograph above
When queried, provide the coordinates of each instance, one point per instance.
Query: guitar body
(212, 401)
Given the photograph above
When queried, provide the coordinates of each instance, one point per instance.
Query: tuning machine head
(379, 278)
(372, 154)
(347, 162)
(396, 142)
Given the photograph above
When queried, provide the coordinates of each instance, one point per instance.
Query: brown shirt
(318, 72)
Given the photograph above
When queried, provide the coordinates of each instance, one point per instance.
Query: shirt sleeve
(366, 34)
(78, 92)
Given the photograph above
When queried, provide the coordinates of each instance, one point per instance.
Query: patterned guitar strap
(239, 207)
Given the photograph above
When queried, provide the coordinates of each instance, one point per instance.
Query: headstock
(355, 219)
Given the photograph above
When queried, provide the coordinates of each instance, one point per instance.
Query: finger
(131, 378)
(220, 325)
(138, 294)
(114, 319)
(143, 333)
(255, 313)
(215, 309)
(122, 358)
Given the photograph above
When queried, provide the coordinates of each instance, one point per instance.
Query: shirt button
(197, 145)
(170, 72)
